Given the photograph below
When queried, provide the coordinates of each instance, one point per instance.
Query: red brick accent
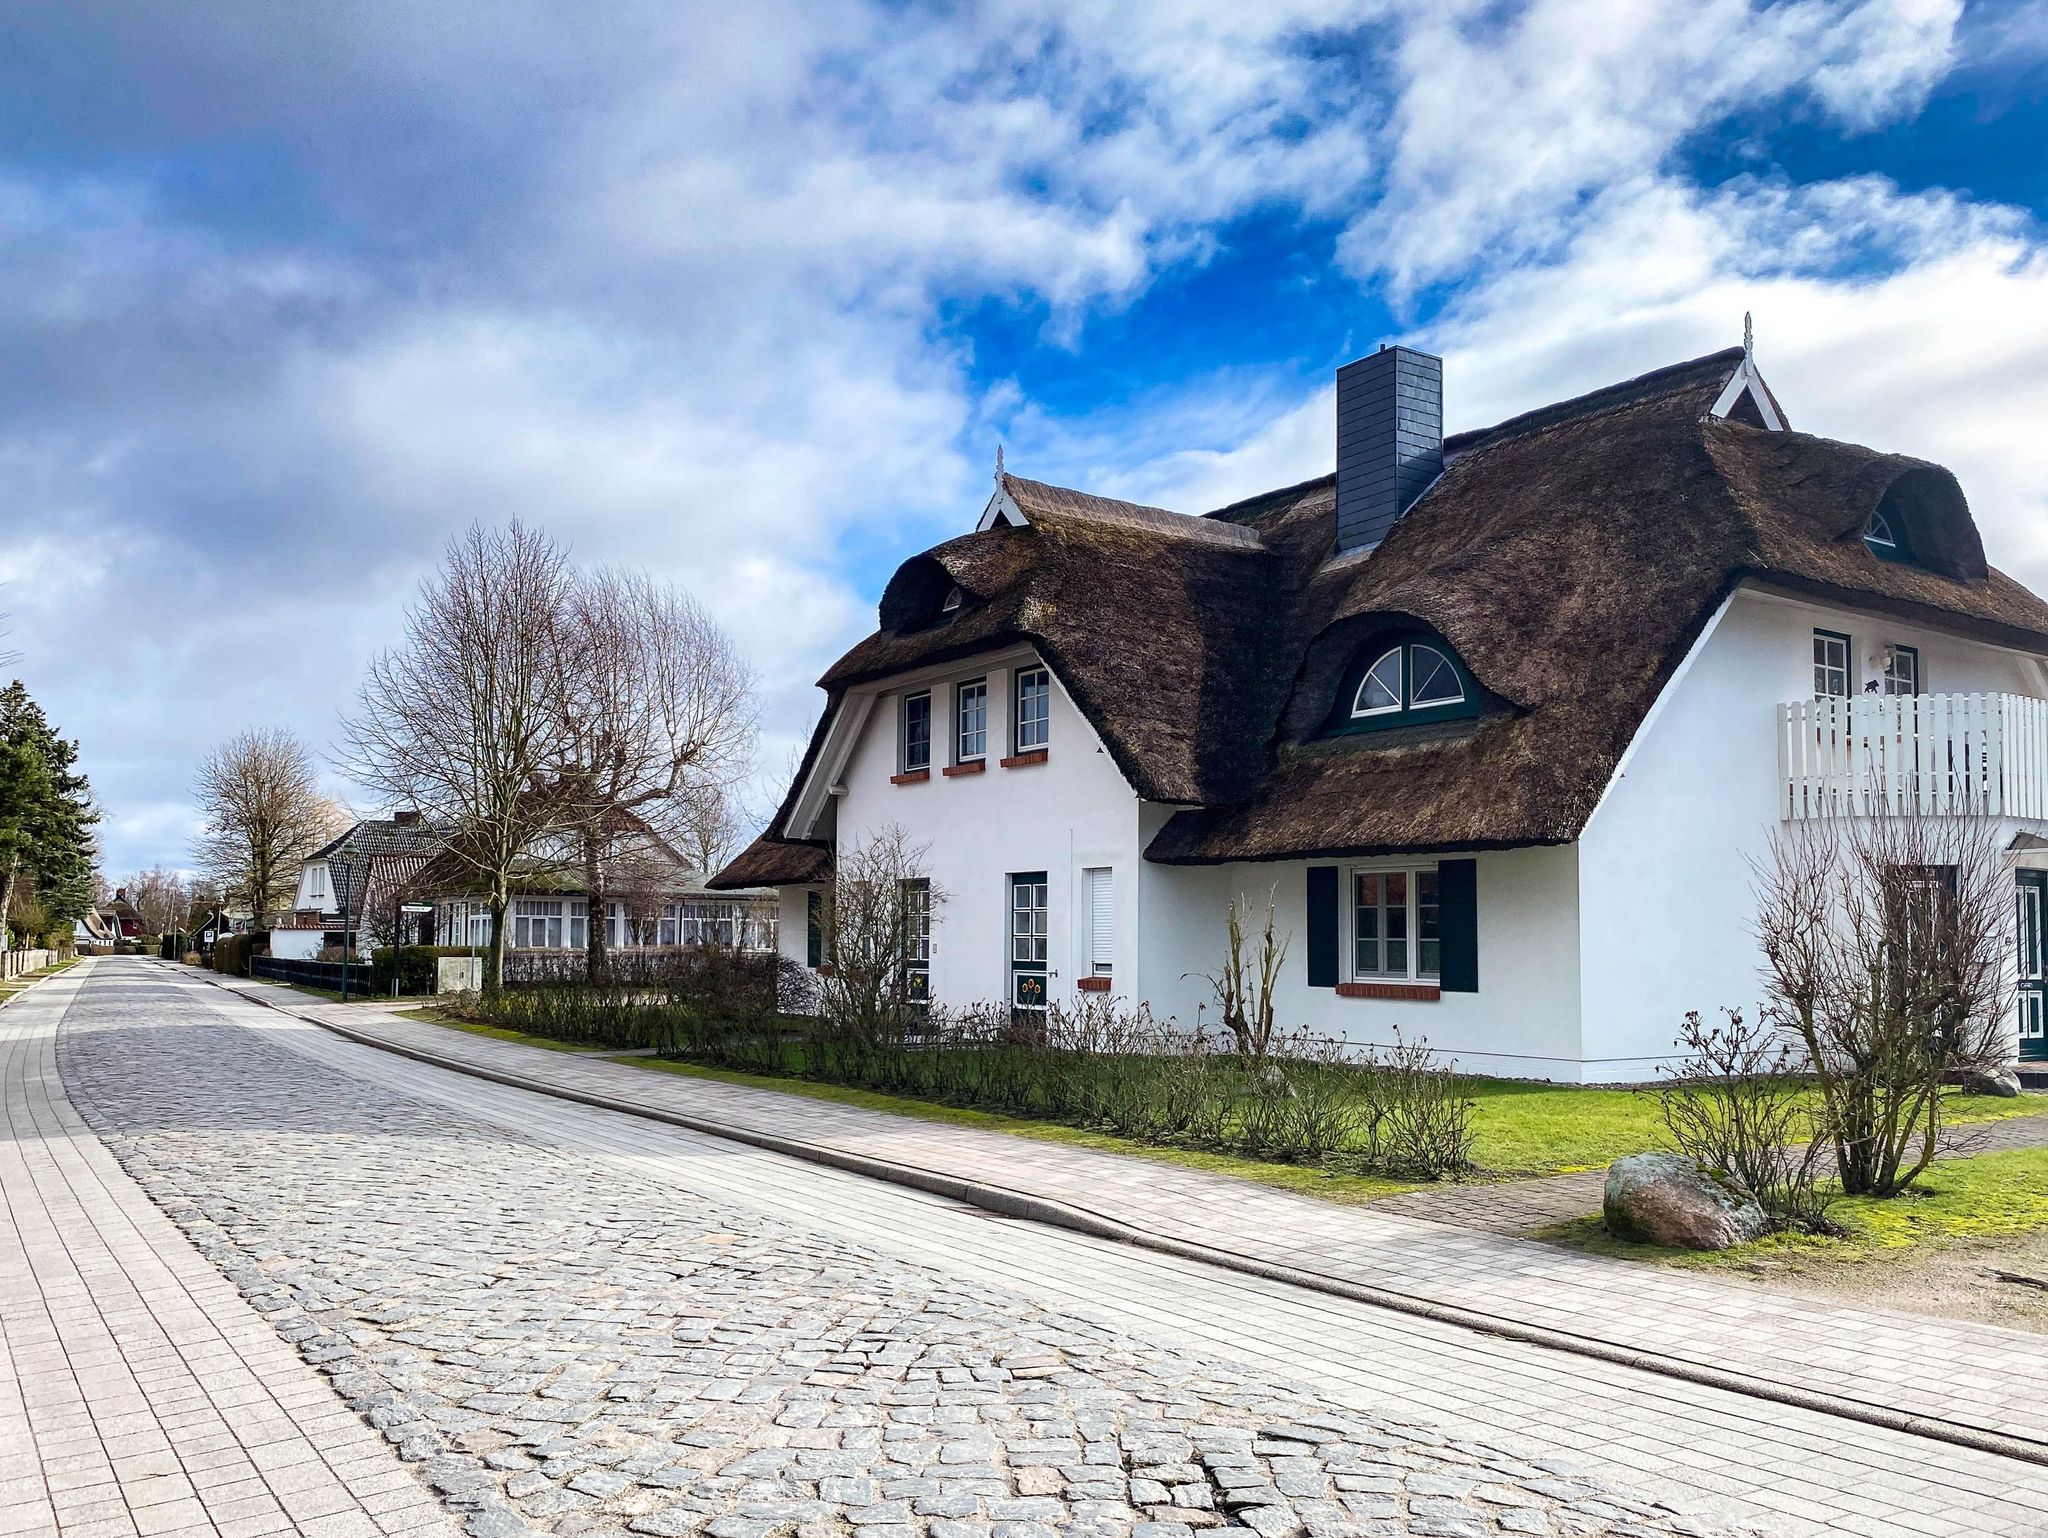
(915, 777)
(825, 969)
(1092, 985)
(1425, 993)
(972, 766)
(1024, 760)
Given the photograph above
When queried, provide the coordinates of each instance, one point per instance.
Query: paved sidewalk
(140, 1395)
(1973, 1376)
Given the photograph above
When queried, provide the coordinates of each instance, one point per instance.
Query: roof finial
(1748, 335)
(999, 464)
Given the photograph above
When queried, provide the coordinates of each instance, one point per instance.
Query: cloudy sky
(750, 294)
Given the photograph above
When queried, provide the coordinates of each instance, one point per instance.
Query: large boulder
(2003, 1082)
(1666, 1199)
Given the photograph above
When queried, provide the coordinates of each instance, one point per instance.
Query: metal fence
(314, 974)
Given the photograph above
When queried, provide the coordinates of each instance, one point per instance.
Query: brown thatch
(771, 861)
(1570, 556)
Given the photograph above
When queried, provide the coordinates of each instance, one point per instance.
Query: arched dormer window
(1884, 535)
(954, 598)
(1403, 679)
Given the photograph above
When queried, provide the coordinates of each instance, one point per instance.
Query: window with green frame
(1403, 678)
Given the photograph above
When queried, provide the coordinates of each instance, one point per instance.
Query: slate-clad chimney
(1390, 440)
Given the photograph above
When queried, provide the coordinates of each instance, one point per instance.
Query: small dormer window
(1404, 680)
(952, 601)
(1878, 532)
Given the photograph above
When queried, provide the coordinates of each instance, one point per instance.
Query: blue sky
(749, 295)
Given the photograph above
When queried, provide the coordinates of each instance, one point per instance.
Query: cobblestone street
(568, 1350)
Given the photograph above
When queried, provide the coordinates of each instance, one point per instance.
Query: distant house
(349, 889)
(108, 924)
(94, 928)
(209, 922)
(658, 900)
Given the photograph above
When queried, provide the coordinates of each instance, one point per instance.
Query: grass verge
(1981, 1198)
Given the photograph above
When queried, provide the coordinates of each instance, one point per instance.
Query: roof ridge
(1668, 380)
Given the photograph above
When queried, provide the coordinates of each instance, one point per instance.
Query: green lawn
(1554, 1129)
(1987, 1196)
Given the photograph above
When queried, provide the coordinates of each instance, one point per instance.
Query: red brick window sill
(972, 766)
(1024, 760)
(1093, 984)
(914, 777)
(1426, 993)
(825, 969)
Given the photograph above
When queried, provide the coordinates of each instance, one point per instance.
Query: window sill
(1092, 985)
(1025, 760)
(972, 766)
(1421, 993)
(913, 777)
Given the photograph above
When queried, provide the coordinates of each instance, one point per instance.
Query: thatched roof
(1571, 556)
(776, 862)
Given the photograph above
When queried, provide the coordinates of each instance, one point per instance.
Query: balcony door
(2033, 976)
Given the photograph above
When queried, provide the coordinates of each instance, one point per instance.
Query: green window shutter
(1457, 894)
(1322, 926)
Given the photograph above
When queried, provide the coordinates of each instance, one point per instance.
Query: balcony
(1929, 755)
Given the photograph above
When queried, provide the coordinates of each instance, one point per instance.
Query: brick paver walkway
(1974, 1376)
(139, 1393)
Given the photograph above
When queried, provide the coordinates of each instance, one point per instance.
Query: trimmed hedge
(231, 953)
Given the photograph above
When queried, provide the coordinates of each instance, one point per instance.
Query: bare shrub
(1425, 1125)
(1244, 988)
(880, 903)
(1743, 1107)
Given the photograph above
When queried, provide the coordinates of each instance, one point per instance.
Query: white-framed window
(316, 884)
(667, 932)
(917, 731)
(1878, 531)
(1396, 925)
(1032, 731)
(1902, 670)
(1099, 890)
(970, 721)
(547, 923)
(1832, 678)
(1379, 692)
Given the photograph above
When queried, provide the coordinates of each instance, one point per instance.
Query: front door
(2032, 925)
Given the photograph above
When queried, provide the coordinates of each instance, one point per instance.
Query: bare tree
(880, 905)
(263, 814)
(709, 832)
(463, 722)
(160, 897)
(657, 722)
(1884, 943)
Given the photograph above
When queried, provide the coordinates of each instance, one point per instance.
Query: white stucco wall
(1070, 813)
(1665, 879)
(296, 944)
(1523, 1022)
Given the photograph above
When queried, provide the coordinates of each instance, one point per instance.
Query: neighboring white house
(1498, 722)
(349, 887)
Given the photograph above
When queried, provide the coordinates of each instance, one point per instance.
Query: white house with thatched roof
(1500, 723)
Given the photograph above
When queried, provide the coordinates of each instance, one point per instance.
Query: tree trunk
(494, 952)
(593, 910)
(7, 897)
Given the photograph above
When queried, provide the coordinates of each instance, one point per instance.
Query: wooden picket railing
(1920, 754)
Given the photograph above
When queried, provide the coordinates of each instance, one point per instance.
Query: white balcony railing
(1922, 754)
